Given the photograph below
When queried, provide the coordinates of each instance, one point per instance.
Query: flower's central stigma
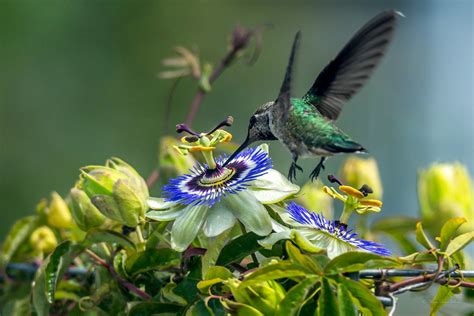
(217, 176)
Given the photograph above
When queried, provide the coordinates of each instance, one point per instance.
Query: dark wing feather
(283, 103)
(352, 67)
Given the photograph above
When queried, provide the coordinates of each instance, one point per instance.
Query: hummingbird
(306, 125)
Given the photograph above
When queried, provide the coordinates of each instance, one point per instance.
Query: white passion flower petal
(187, 225)
(251, 213)
(165, 215)
(219, 219)
(159, 203)
(273, 187)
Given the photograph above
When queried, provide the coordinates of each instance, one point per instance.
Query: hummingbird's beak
(242, 147)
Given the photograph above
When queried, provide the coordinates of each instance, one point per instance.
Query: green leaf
(152, 308)
(276, 271)
(443, 295)
(214, 275)
(365, 300)
(49, 273)
(96, 236)
(422, 238)
(54, 267)
(152, 259)
(459, 242)
(17, 235)
(119, 263)
(297, 257)
(170, 295)
(239, 248)
(240, 309)
(296, 297)
(346, 307)
(418, 257)
(353, 261)
(448, 230)
(327, 304)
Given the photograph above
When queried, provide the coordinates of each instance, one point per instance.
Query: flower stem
(129, 286)
(141, 240)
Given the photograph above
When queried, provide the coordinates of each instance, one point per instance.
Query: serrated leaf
(422, 238)
(296, 296)
(353, 261)
(17, 235)
(276, 271)
(365, 300)
(153, 308)
(443, 295)
(152, 259)
(96, 236)
(327, 304)
(448, 230)
(239, 248)
(297, 257)
(458, 243)
(346, 306)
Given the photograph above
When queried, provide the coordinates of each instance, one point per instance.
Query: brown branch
(152, 178)
(240, 39)
(129, 286)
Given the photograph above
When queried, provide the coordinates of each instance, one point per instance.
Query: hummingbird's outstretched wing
(283, 103)
(352, 67)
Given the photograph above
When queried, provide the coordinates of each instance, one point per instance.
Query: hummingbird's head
(259, 128)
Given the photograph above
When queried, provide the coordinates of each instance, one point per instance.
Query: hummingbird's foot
(292, 172)
(315, 173)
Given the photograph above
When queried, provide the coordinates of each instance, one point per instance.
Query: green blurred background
(78, 84)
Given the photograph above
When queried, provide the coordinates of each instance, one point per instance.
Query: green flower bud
(445, 191)
(356, 172)
(58, 213)
(117, 190)
(43, 239)
(265, 296)
(313, 197)
(85, 214)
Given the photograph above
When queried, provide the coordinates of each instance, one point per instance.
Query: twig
(129, 286)
(240, 39)
(152, 178)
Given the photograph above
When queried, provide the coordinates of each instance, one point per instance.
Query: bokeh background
(78, 84)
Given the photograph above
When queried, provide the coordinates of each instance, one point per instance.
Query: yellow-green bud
(445, 191)
(356, 172)
(85, 214)
(43, 239)
(313, 197)
(58, 213)
(117, 190)
(265, 296)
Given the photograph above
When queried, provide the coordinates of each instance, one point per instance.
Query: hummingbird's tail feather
(347, 146)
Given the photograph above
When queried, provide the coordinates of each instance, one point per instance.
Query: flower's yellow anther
(366, 209)
(371, 202)
(333, 193)
(227, 138)
(201, 148)
(351, 191)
